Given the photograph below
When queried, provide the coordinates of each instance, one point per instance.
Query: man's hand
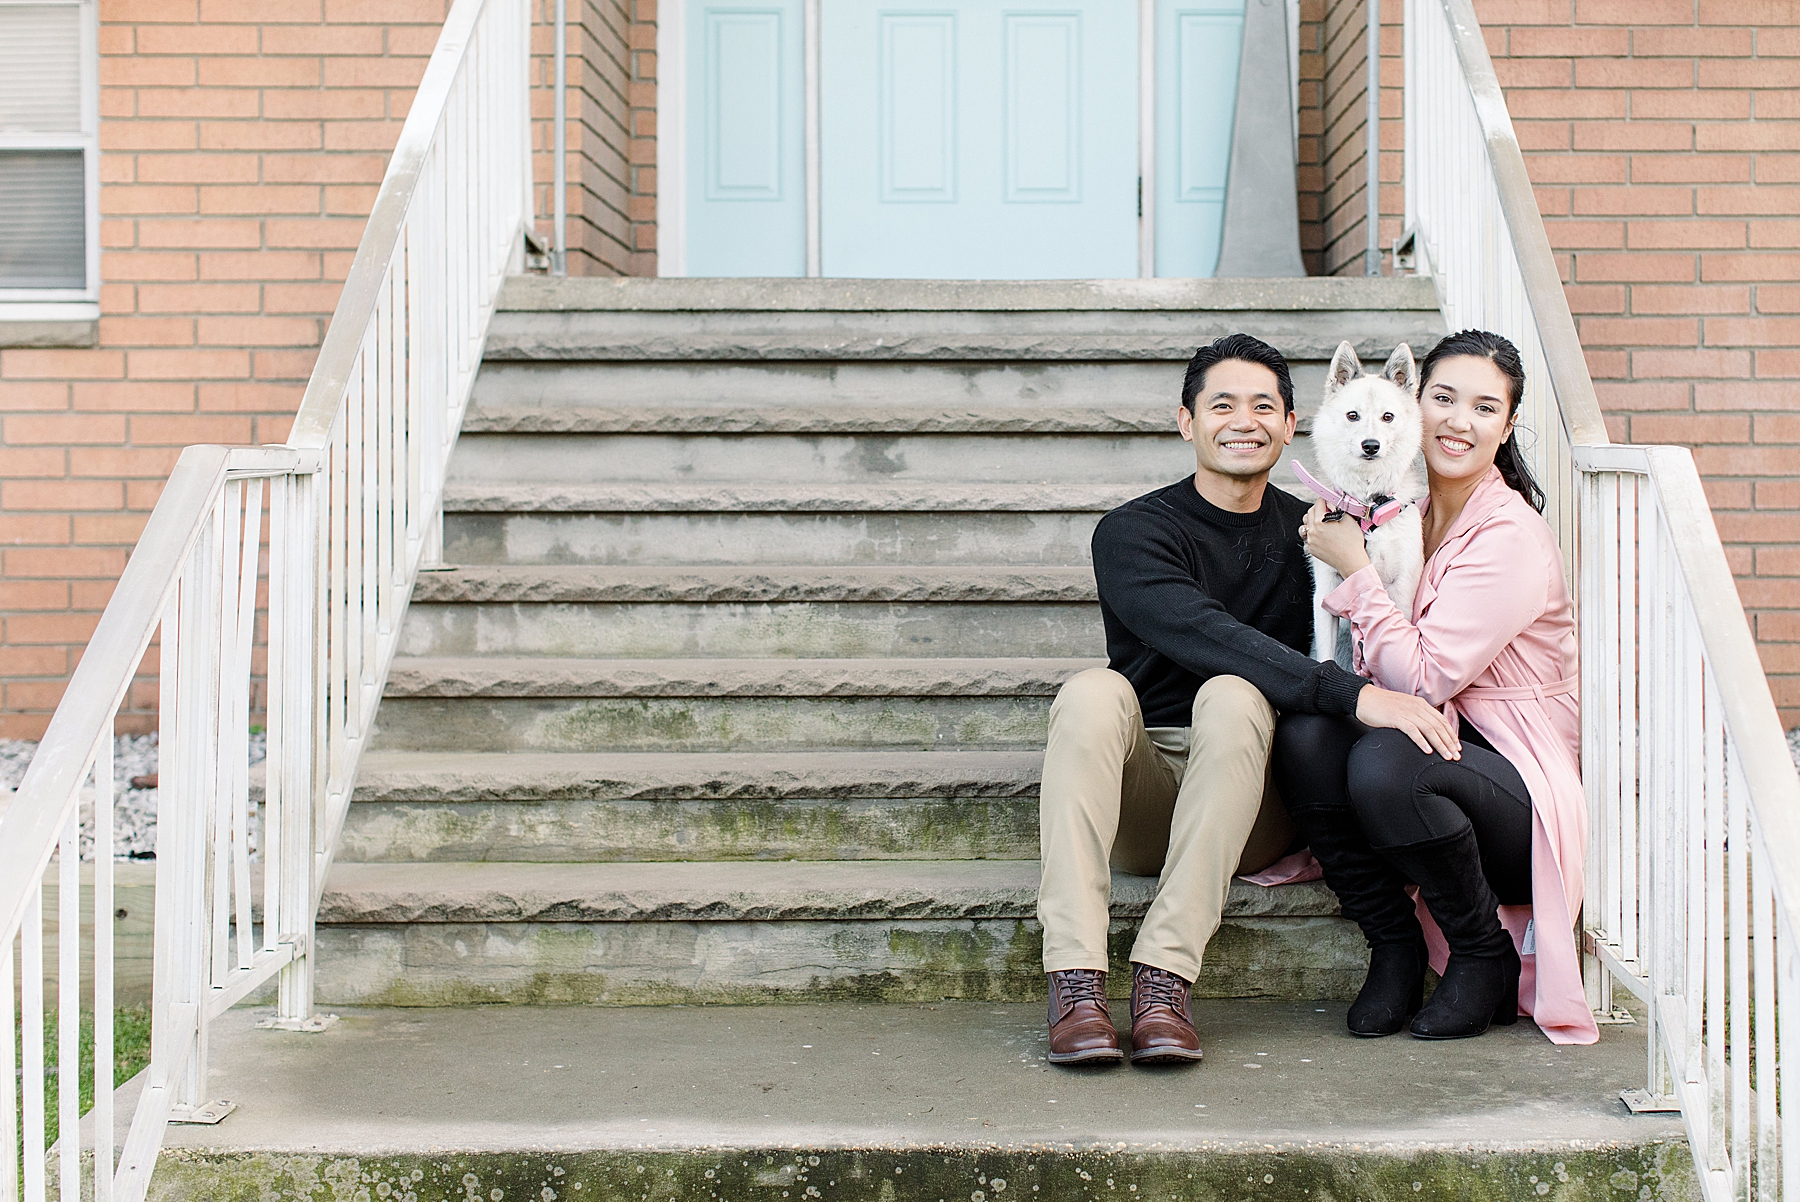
(1399, 711)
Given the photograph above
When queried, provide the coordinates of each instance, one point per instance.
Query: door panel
(1197, 48)
(746, 160)
(989, 140)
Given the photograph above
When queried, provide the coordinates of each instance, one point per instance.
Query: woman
(1493, 837)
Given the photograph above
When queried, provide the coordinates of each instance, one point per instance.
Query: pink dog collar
(1369, 517)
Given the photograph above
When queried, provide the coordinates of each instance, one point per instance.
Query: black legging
(1401, 795)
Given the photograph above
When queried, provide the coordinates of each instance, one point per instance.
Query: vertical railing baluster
(31, 1042)
(68, 1009)
(11, 1136)
(1737, 951)
(103, 971)
(244, 629)
(1762, 972)
(221, 679)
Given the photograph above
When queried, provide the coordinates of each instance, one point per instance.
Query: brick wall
(1343, 132)
(242, 145)
(1664, 140)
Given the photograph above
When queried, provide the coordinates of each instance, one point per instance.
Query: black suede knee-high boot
(1373, 895)
(1481, 983)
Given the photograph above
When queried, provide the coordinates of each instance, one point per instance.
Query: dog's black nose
(1371, 447)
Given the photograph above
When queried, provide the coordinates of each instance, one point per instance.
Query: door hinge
(1140, 196)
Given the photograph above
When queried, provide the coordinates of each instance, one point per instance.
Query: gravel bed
(134, 813)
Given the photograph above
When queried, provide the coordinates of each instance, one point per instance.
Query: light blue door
(1197, 49)
(979, 139)
(746, 131)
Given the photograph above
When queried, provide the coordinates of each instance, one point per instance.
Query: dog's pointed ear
(1345, 367)
(1401, 371)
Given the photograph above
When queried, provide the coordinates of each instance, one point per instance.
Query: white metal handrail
(353, 504)
(1692, 873)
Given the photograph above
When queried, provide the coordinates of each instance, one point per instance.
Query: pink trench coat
(1492, 638)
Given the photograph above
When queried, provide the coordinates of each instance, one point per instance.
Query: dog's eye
(1353, 416)
(1387, 417)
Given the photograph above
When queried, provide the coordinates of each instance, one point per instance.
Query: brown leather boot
(1162, 1024)
(1081, 1031)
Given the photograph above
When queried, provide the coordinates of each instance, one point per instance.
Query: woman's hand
(1337, 543)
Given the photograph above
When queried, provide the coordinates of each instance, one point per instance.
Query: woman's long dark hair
(1505, 356)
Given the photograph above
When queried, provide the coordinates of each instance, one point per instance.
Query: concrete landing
(942, 1102)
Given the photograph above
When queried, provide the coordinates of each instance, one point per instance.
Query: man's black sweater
(1189, 591)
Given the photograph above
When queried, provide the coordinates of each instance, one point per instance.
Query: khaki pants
(1112, 795)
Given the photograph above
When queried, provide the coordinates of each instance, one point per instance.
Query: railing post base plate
(205, 1114)
(311, 1025)
(1642, 1101)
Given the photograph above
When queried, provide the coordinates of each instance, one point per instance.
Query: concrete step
(908, 320)
(635, 933)
(940, 805)
(502, 704)
(920, 1103)
(493, 411)
(735, 612)
(1141, 460)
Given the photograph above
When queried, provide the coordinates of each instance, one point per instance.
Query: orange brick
(1513, 73)
(35, 661)
(1746, 394)
(1748, 135)
(1599, 267)
(187, 429)
(1779, 626)
(1777, 233)
(355, 199)
(247, 397)
(120, 232)
(197, 102)
(1634, 72)
(362, 135)
(1639, 331)
(61, 364)
(52, 628)
(259, 265)
(1634, 201)
(1690, 429)
(147, 135)
(300, 298)
(196, 169)
(1606, 364)
(33, 461)
(317, 233)
(1713, 364)
(142, 70)
(192, 364)
(94, 594)
(102, 528)
(1612, 134)
(396, 12)
(1778, 364)
(262, 198)
(1745, 461)
(258, 331)
(1576, 168)
(1762, 528)
(22, 396)
(1690, 168)
(1749, 72)
(325, 104)
(61, 495)
(1559, 41)
(1752, 331)
(260, 135)
(1778, 168)
(198, 298)
(1778, 427)
(39, 529)
(261, 71)
(53, 429)
(373, 72)
(1778, 298)
(1710, 105)
(199, 233)
(128, 395)
(121, 462)
(359, 40)
(148, 265)
(1778, 494)
(119, 199)
(1727, 266)
(1690, 298)
(1634, 12)
(146, 331)
(1711, 42)
(1584, 235)
(260, 11)
(212, 38)
(142, 494)
(1696, 235)
(323, 169)
(285, 365)
(1595, 298)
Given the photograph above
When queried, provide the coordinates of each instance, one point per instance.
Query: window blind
(43, 194)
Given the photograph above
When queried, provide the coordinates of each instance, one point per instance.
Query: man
(1159, 762)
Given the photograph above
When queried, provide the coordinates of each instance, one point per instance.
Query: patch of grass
(131, 1052)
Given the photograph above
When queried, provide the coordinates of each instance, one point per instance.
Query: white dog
(1366, 438)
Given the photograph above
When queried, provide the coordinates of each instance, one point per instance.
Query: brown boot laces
(1156, 986)
(1081, 985)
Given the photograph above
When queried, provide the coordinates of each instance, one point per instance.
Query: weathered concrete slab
(872, 1103)
(626, 584)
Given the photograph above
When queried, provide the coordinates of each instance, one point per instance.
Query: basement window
(49, 173)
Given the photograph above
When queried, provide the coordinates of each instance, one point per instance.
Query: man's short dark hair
(1236, 346)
